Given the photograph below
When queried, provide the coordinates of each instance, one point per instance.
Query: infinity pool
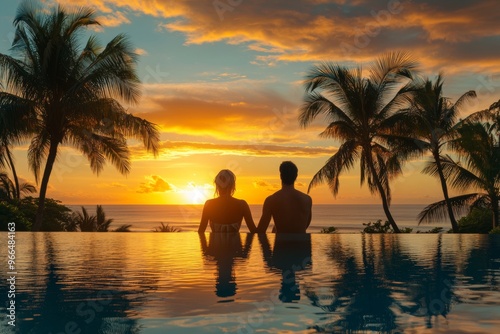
(242, 283)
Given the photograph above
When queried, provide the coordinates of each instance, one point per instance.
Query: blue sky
(223, 78)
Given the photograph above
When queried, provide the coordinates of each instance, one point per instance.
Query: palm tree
(362, 115)
(435, 117)
(9, 191)
(166, 228)
(102, 224)
(480, 151)
(88, 223)
(84, 221)
(70, 91)
(13, 128)
(491, 114)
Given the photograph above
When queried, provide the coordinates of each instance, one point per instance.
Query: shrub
(377, 227)
(10, 213)
(56, 216)
(496, 230)
(434, 230)
(479, 220)
(166, 228)
(328, 230)
(386, 227)
(123, 228)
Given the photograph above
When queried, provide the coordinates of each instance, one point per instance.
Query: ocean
(346, 218)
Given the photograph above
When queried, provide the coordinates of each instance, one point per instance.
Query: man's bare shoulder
(302, 195)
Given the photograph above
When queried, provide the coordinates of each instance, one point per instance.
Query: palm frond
(27, 188)
(102, 223)
(462, 100)
(316, 104)
(342, 160)
(112, 73)
(438, 211)
(37, 152)
(391, 66)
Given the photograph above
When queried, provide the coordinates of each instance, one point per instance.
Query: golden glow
(196, 194)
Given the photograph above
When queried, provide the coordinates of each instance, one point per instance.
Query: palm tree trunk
(383, 195)
(444, 187)
(14, 174)
(51, 158)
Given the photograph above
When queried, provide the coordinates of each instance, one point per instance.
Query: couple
(289, 208)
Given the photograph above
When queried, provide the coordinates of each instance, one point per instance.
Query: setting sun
(196, 194)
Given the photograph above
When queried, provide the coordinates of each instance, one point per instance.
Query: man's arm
(265, 219)
(309, 201)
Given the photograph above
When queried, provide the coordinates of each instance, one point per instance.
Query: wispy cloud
(170, 149)
(261, 184)
(114, 19)
(238, 110)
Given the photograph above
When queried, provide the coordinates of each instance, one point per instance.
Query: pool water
(243, 283)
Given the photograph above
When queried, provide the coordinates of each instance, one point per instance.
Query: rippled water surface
(242, 283)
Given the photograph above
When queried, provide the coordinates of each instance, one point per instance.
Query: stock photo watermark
(11, 274)
(364, 36)
(223, 6)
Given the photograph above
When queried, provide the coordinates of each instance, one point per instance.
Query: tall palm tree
(71, 91)
(435, 118)
(479, 149)
(363, 115)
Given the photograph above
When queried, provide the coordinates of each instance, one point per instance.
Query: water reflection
(291, 254)
(142, 282)
(223, 249)
(381, 287)
(53, 306)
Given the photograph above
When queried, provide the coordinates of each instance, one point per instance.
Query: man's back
(290, 210)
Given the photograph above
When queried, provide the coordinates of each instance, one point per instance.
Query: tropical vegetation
(57, 90)
(389, 116)
(478, 168)
(91, 223)
(363, 113)
(435, 120)
(166, 228)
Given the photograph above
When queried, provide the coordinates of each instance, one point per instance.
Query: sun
(196, 194)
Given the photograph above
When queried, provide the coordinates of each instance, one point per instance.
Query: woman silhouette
(225, 213)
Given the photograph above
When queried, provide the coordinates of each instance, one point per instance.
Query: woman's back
(225, 213)
(225, 210)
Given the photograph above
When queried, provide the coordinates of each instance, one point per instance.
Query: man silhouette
(289, 208)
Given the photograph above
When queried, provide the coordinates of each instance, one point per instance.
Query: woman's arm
(247, 214)
(204, 219)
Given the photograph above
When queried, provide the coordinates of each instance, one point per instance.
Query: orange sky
(223, 80)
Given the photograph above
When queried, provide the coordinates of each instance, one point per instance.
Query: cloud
(141, 52)
(312, 30)
(169, 149)
(261, 184)
(240, 109)
(114, 19)
(154, 184)
(117, 185)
